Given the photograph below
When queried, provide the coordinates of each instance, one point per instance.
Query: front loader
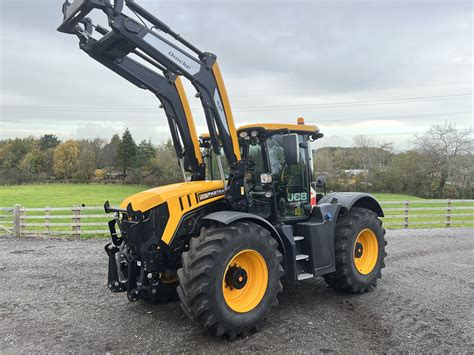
(224, 238)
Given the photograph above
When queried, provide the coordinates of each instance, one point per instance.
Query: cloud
(277, 57)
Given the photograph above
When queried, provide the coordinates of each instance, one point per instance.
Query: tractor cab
(279, 169)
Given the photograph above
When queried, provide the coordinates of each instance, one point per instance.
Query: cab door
(291, 181)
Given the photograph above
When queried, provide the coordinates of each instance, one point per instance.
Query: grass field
(65, 195)
(69, 195)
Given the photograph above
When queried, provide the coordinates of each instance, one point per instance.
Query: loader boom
(129, 36)
(167, 88)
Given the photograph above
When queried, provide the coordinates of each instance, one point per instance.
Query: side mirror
(291, 148)
(321, 181)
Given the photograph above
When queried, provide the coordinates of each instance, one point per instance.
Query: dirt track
(53, 297)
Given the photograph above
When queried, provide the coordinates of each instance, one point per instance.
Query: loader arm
(169, 90)
(201, 68)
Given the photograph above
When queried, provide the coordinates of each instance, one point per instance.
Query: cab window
(291, 181)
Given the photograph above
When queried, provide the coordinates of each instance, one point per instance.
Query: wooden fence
(428, 213)
(77, 221)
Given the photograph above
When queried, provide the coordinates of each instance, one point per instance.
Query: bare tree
(445, 149)
(364, 143)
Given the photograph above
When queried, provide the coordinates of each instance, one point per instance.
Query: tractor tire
(360, 252)
(230, 278)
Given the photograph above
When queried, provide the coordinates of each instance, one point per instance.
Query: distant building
(355, 172)
(114, 175)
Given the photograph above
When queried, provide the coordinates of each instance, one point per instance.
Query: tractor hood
(186, 195)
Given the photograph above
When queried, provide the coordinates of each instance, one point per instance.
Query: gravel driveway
(54, 298)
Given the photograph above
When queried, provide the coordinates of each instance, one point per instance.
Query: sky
(385, 69)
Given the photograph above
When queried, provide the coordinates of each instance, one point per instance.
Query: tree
(29, 165)
(85, 167)
(142, 165)
(145, 153)
(48, 141)
(110, 153)
(165, 168)
(65, 159)
(99, 174)
(444, 149)
(127, 151)
(364, 144)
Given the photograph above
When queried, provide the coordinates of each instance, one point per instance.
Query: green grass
(65, 195)
(69, 195)
(396, 197)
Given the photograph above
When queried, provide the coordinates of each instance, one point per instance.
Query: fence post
(448, 214)
(47, 221)
(406, 203)
(16, 220)
(22, 221)
(76, 220)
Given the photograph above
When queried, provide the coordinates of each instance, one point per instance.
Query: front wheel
(360, 252)
(230, 278)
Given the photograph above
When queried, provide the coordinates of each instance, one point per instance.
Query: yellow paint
(277, 126)
(248, 297)
(146, 200)
(370, 251)
(228, 111)
(189, 118)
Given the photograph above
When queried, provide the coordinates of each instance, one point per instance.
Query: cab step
(305, 276)
(298, 238)
(302, 257)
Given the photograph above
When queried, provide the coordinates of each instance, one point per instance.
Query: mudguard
(354, 199)
(228, 217)
(283, 240)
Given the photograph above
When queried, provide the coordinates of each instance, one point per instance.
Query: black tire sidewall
(262, 244)
(371, 222)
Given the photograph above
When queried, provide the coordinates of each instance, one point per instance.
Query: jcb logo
(298, 196)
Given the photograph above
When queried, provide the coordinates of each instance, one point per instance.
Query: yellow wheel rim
(245, 281)
(366, 251)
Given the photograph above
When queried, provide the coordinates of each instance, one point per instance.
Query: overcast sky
(386, 69)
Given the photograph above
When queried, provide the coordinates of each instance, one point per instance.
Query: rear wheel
(230, 278)
(360, 252)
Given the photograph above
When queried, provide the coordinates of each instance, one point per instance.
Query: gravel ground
(53, 297)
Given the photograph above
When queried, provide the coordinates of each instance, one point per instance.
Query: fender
(228, 217)
(354, 199)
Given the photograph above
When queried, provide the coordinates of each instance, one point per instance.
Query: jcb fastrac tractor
(241, 221)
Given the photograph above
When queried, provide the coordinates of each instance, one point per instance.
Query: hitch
(114, 284)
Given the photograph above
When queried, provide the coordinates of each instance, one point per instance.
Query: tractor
(247, 214)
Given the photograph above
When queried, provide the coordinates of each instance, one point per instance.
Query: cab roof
(300, 128)
(292, 127)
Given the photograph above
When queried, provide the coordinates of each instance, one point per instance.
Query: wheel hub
(236, 277)
(245, 281)
(359, 249)
(366, 251)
